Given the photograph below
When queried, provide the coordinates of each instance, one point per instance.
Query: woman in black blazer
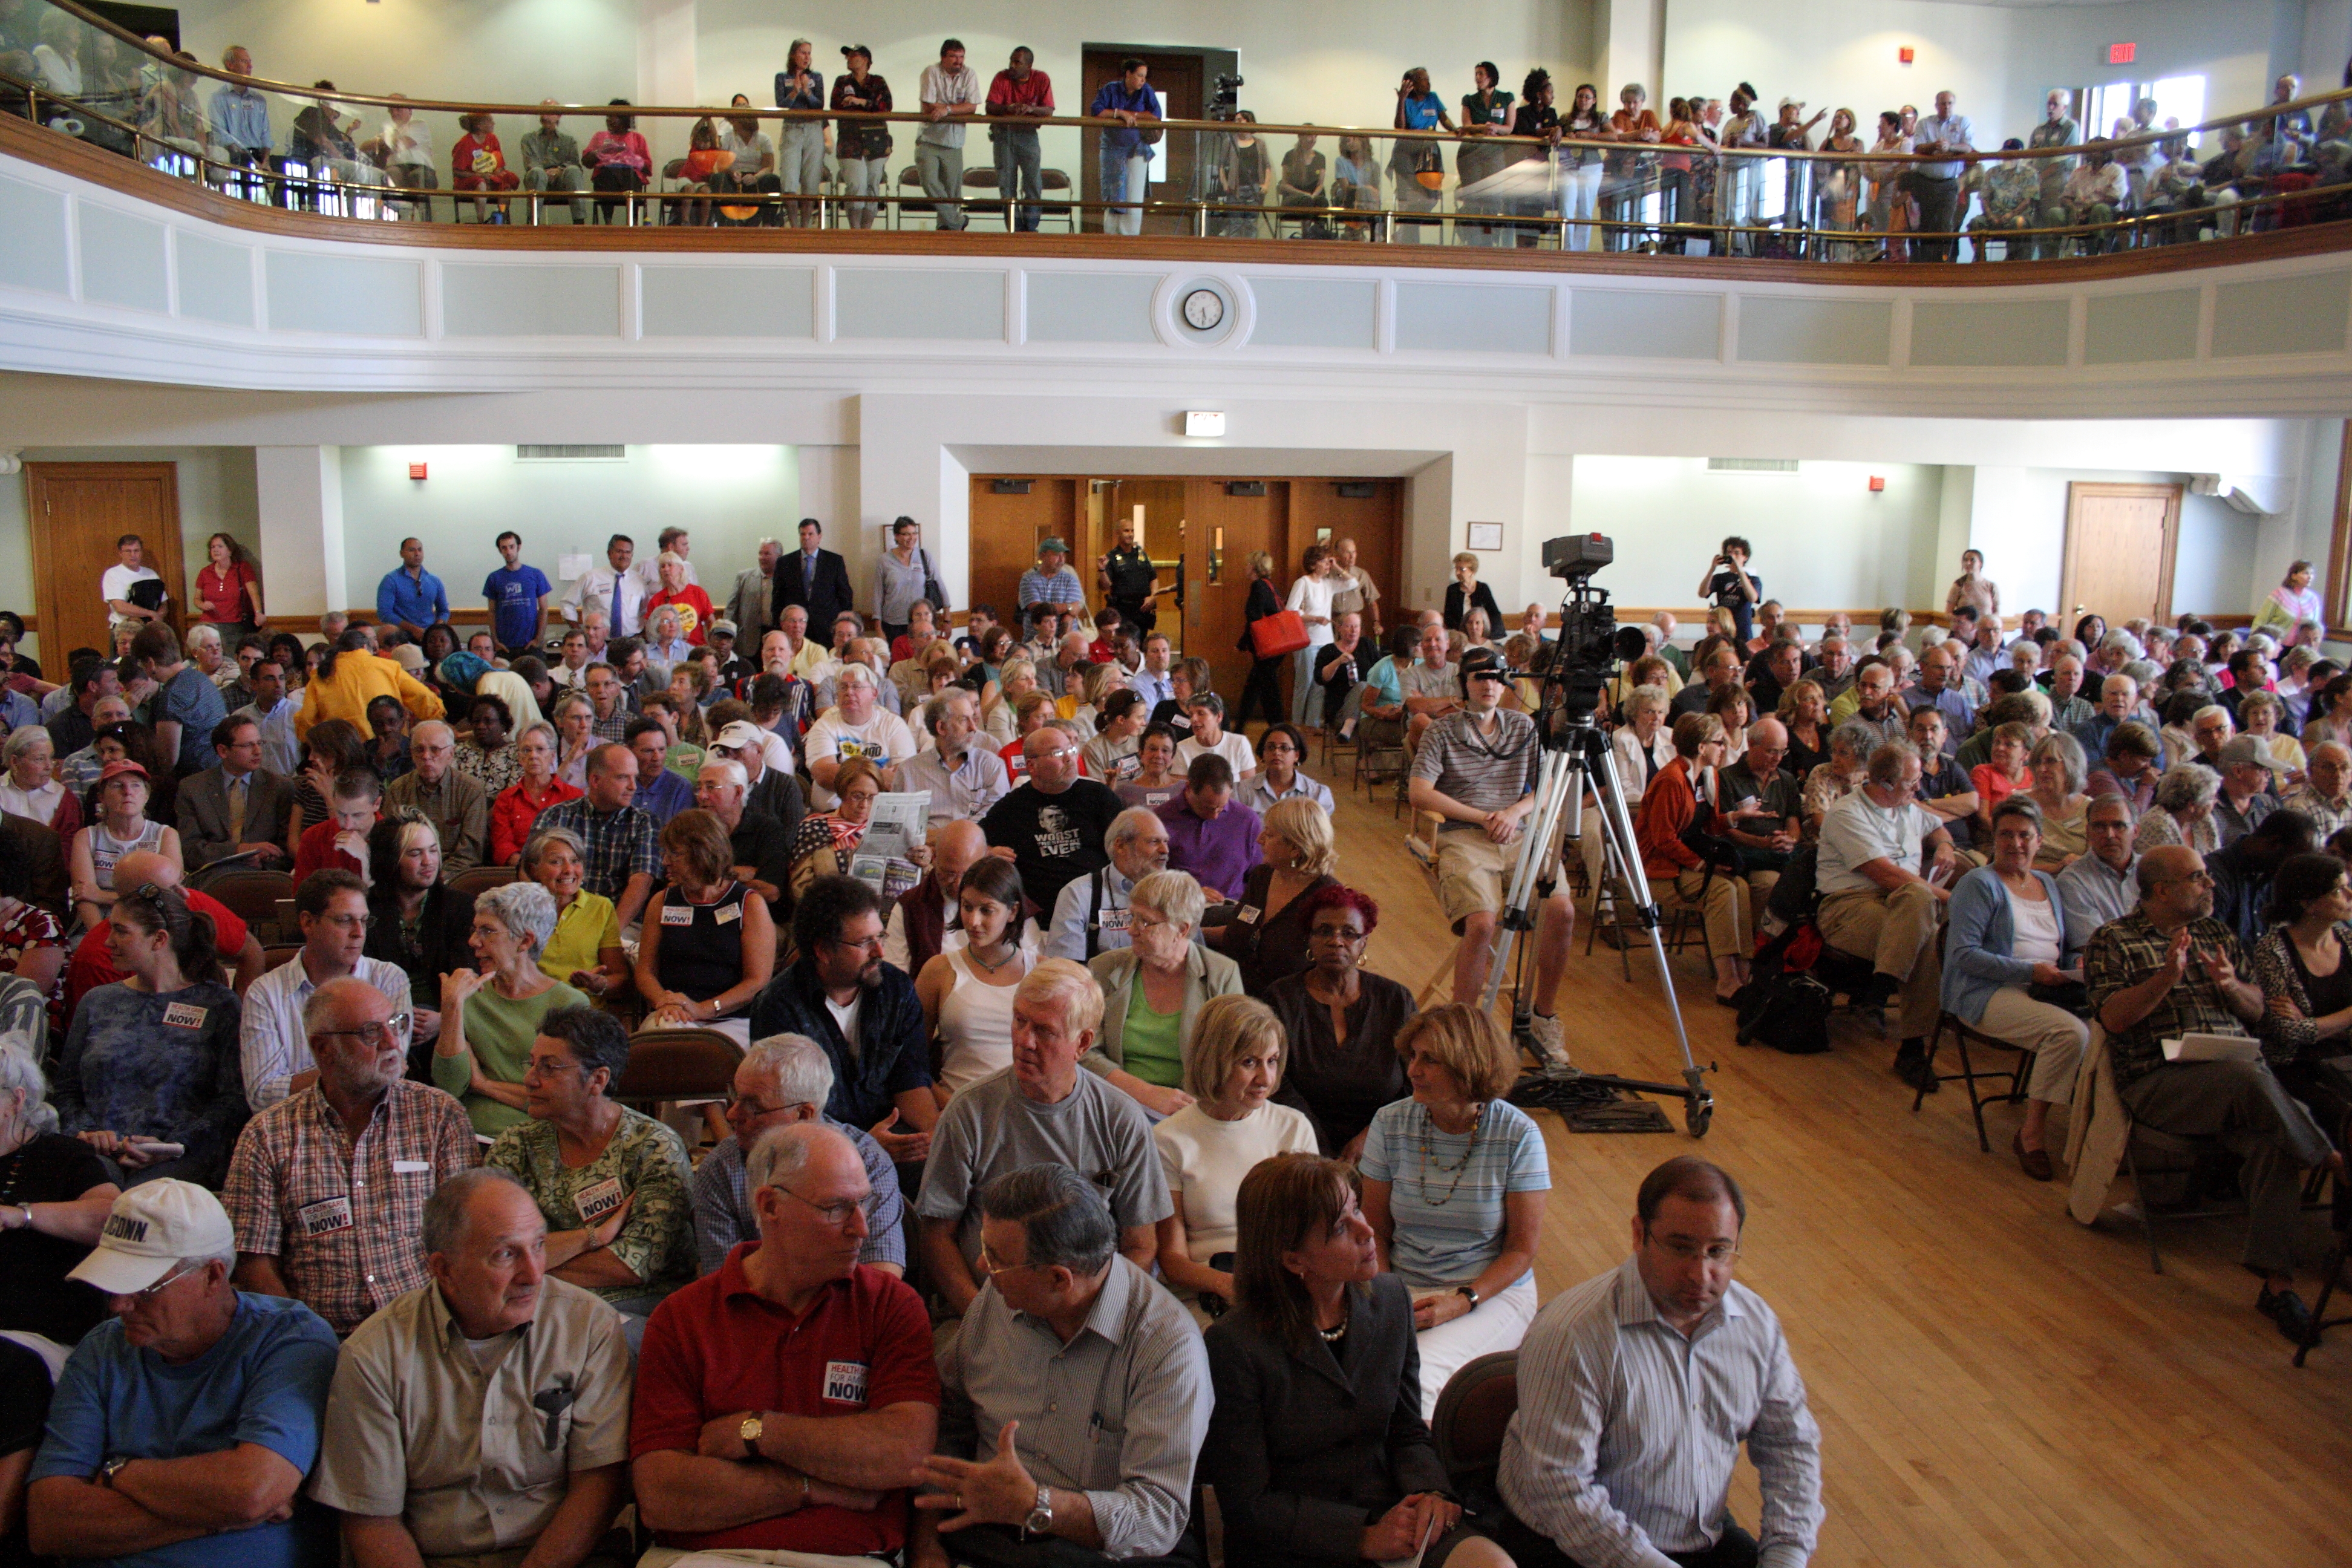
(1263, 690)
(1317, 1446)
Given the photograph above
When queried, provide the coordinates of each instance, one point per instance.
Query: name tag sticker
(184, 1015)
(408, 1167)
(594, 1202)
(728, 912)
(1248, 915)
(325, 1216)
(1117, 919)
(677, 914)
(845, 1381)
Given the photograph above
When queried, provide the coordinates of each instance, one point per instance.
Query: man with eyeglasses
(273, 1041)
(2168, 970)
(1637, 1389)
(328, 1186)
(1052, 826)
(785, 1080)
(2103, 885)
(154, 1459)
(1091, 916)
(1882, 871)
(784, 1402)
(862, 1011)
(457, 807)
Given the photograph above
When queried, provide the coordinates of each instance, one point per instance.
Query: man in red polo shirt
(783, 1403)
(92, 965)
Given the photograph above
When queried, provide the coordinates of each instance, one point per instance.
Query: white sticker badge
(845, 1381)
(184, 1015)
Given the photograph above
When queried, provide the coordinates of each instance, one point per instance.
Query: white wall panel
(123, 260)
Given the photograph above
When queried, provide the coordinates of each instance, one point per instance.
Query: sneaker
(1549, 1039)
(1911, 1066)
(2285, 1309)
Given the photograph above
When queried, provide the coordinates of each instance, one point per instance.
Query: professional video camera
(1224, 96)
(1591, 643)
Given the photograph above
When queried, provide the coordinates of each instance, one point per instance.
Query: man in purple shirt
(661, 794)
(1210, 833)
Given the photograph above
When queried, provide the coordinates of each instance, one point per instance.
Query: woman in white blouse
(30, 787)
(1311, 596)
(1232, 1072)
(967, 991)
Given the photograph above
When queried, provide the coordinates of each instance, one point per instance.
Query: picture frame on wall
(1486, 536)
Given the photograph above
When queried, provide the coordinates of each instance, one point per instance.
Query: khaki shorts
(1472, 871)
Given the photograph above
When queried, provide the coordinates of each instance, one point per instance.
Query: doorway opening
(1182, 79)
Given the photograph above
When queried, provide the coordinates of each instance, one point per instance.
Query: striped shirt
(1626, 1432)
(1449, 1227)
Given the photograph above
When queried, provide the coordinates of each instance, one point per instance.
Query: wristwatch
(1468, 1294)
(750, 1432)
(112, 1469)
(1040, 1522)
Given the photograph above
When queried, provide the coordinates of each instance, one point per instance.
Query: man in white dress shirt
(273, 1043)
(620, 592)
(1638, 1387)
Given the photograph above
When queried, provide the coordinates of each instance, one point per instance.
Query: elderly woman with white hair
(30, 787)
(576, 739)
(1153, 991)
(666, 643)
(857, 725)
(490, 1015)
(2183, 812)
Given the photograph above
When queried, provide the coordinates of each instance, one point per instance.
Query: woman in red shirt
(693, 606)
(228, 592)
(1674, 801)
(478, 163)
(516, 810)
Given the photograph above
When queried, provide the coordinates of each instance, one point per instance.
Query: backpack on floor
(1784, 1004)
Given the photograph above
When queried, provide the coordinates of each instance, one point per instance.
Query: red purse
(1277, 634)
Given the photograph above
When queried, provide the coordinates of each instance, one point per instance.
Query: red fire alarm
(1877, 483)
(415, 470)
(2122, 54)
(1907, 54)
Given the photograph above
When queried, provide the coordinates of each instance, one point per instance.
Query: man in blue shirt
(1050, 586)
(238, 116)
(1126, 155)
(181, 1431)
(518, 596)
(411, 597)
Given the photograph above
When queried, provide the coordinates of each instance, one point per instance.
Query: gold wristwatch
(750, 1432)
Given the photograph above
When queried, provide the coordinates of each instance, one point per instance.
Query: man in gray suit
(236, 806)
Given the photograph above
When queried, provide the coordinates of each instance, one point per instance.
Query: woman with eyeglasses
(967, 994)
(585, 952)
(1453, 1185)
(420, 922)
(1338, 1021)
(491, 1010)
(151, 1076)
(828, 839)
(1317, 1446)
(517, 808)
(610, 1182)
(709, 945)
(1153, 991)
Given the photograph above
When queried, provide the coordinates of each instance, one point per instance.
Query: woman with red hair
(1340, 1023)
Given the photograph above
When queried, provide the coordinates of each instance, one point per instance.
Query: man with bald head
(924, 920)
(327, 1185)
(2168, 970)
(1764, 804)
(624, 851)
(454, 803)
(2325, 794)
(1051, 827)
(92, 964)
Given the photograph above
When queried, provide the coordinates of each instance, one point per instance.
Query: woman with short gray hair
(490, 1015)
(2059, 773)
(55, 1191)
(2184, 811)
(1152, 992)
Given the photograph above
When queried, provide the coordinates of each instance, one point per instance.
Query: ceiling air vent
(571, 454)
(1751, 465)
(1245, 488)
(1012, 486)
(1356, 489)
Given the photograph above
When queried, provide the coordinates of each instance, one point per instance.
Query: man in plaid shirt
(327, 1190)
(2167, 969)
(623, 844)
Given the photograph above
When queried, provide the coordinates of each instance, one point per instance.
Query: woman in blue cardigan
(2007, 933)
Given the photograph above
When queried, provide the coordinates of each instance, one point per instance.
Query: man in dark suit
(236, 806)
(816, 578)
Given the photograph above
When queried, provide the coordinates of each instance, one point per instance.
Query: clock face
(1204, 310)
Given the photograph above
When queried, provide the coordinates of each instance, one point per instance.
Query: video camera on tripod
(1577, 667)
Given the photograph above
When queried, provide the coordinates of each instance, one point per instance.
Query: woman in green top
(490, 1015)
(1152, 992)
(610, 1182)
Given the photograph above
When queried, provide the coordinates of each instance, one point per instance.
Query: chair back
(476, 880)
(251, 894)
(678, 1064)
(1473, 1410)
(276, 954)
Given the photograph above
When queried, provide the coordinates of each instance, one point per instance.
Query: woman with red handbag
(1263, 688)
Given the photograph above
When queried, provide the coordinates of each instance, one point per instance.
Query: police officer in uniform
(1126, 576)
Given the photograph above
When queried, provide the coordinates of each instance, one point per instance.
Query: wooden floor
(1994, 1383)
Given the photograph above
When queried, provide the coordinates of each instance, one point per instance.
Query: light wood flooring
(1994, 1383)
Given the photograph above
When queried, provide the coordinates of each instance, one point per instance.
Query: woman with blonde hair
(1453, 1185)
(1805, 709)
(1208, 1147)
(1261, 691)
(1000, 714)
(1266, 937)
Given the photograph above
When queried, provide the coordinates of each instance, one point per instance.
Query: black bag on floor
(1784, 1004)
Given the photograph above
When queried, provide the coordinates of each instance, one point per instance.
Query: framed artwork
(1486, 536)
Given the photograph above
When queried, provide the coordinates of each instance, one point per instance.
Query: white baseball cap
(149, 1230)
(741, 733)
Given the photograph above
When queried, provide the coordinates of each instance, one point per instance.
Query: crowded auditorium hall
(1089, 884)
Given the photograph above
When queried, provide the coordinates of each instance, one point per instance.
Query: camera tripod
(1575, 758)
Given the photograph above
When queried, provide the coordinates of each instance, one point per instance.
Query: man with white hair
(1090, 917)
(756, 841)
(454, 803)
(772, 788)
(438, 1398)
(2069, 710)
(856, 726)
(1044, 1109)
(327, 1188)
(1665, 646)
(963, 779)
(150, 1457)
(1055, 675)
(783, 1081)
(2323, 797)
(1832, 670)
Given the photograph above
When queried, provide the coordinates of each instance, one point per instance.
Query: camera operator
(1732, 587)
(1477, 768)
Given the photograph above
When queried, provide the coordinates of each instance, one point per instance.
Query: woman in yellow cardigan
(350, 677)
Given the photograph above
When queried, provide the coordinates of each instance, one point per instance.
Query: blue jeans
(1019, 176)
(1124, 177)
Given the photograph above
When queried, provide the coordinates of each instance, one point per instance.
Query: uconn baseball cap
(149, 1230)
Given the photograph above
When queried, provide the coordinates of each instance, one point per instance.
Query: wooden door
(1162, 506)
(1222, 530)
(1319, 514)
(1177, 78)
(2120, 543)
(1005, 530)
(78, 511)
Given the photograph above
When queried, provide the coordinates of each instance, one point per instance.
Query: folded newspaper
(901, 822)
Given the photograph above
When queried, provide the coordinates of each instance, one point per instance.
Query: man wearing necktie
(816, 578)
(236, 806)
